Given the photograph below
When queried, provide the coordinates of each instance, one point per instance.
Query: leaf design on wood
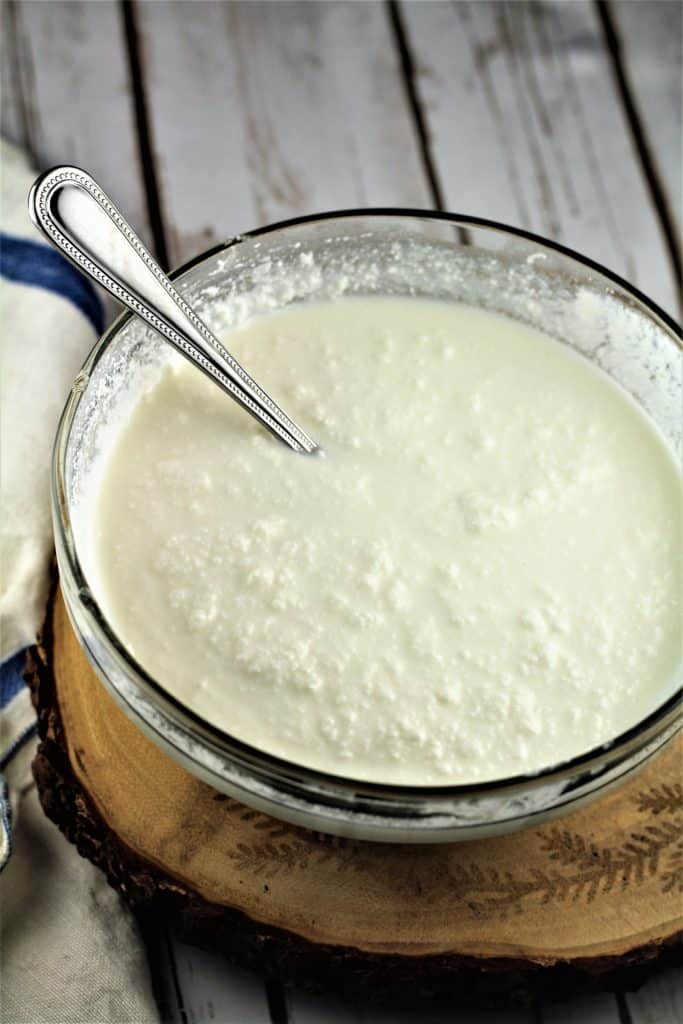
(484, 889)
(672, 875)
(271, 858)
(591, 870)
(662, 799)
(579, 869)
(299, 848)
(261, 822)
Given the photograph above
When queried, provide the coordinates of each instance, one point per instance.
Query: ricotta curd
(480, 578)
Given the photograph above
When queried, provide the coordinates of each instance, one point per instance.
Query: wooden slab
(527, 126)
(70, 99)
(264, 111)
(562, 905)
(650, 35)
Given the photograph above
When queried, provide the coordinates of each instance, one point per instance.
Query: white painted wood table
(205, 119)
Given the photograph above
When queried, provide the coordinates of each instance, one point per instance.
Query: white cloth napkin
(70, 950)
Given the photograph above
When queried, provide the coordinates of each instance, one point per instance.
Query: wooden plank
(76, 93)
(659, 1001)
(162, 968)
(261, 111)
(600, 1008)
(11, 115)
(650, 33)
(309, 1009)
(213, 990)
(527, 126)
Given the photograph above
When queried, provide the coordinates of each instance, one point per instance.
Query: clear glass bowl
(387, 252)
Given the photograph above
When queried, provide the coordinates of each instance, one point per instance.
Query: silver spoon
(74, 213)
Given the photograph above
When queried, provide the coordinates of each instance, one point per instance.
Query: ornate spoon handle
(75, 214)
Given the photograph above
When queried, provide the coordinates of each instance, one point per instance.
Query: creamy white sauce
(482, 576)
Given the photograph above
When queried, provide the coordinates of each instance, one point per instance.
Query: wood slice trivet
(570, 904)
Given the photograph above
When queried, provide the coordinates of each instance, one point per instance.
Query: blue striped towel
(70, 950)
(50, 316)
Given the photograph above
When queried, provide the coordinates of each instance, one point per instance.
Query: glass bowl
(386, 252)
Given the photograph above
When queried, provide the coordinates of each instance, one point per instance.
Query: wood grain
(592, 892)
(309, 1009)
(232, 996)
(527, 127)
(659, 1002)
(593, 1009)
(12, 124)
(262, 111)
(76, 96)
(650, 34)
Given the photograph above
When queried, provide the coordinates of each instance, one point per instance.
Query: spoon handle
(71, 209)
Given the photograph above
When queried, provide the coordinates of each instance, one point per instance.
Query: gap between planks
(526, 125)
(214, 991)
(145, 148)
(285, 110)
(661, 200)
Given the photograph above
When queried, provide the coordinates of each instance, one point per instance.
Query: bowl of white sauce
(462, 620)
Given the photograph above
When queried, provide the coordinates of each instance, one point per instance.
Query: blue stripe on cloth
(11, 678)
(34, 264)
(15, 703)
(5, 825)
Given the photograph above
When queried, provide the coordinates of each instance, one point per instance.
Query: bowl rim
(246, 755)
